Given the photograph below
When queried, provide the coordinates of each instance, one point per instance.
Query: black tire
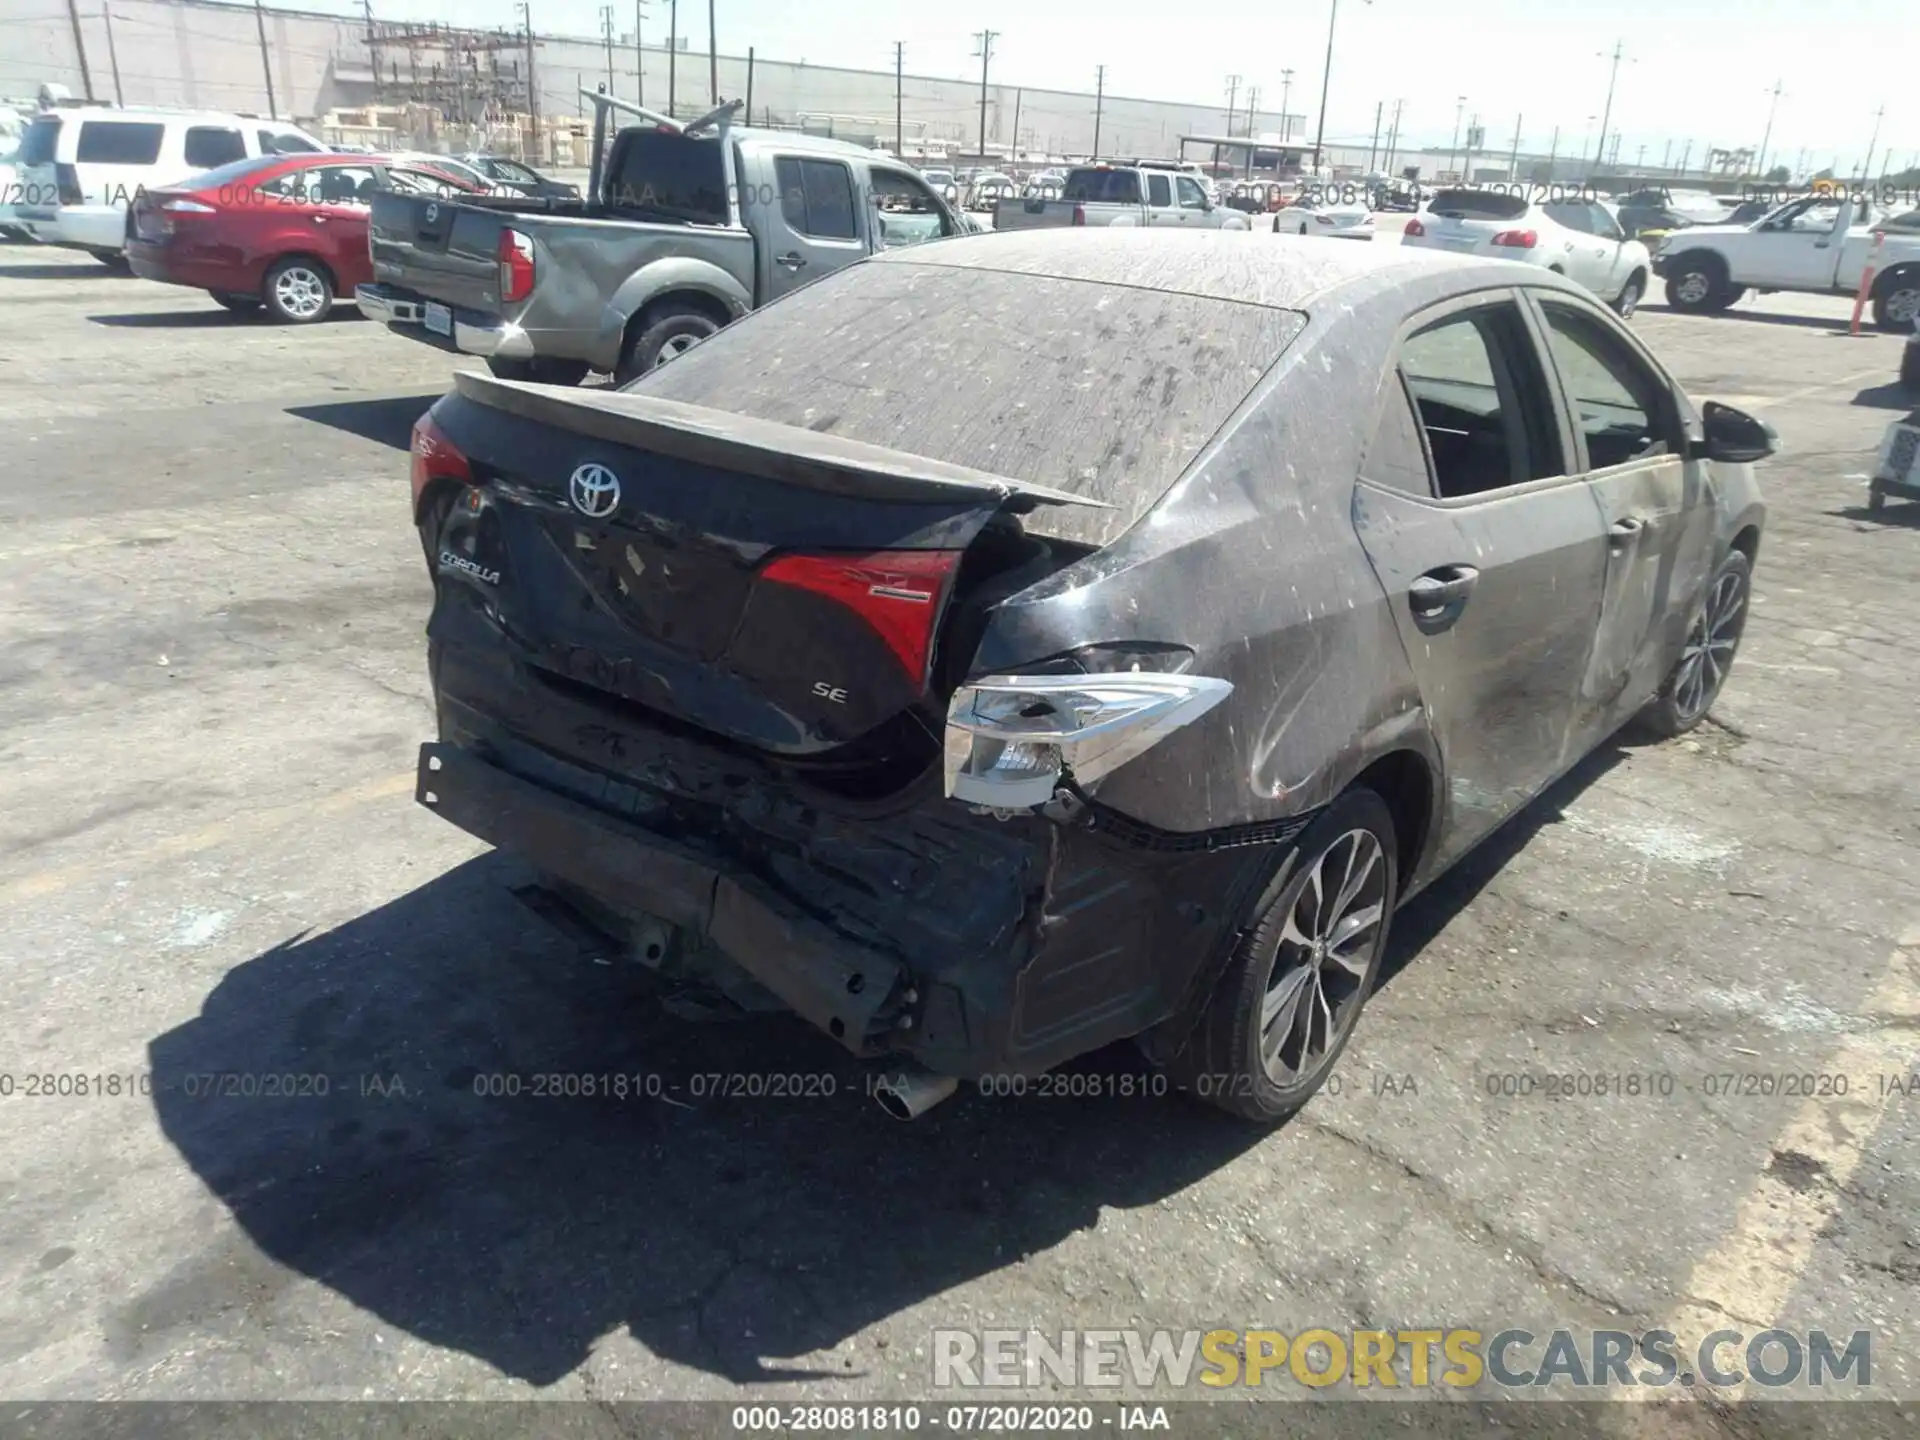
(1896, 301)
(1697, 284)
(1222, 1062)
(540, 370)
(667, 330)
(1679, 706)
(1876, 497)
(298, 291)
(1628, 300)
(1910, 369)
(239, 304)
(113, 260)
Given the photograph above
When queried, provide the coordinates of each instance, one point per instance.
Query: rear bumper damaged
(972, 946)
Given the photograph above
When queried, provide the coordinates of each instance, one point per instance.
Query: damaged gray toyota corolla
(1007, 646)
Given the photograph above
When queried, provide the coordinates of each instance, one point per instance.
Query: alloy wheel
(1708, 653)
(1903, 306)
(1326, 950)
(1693, 287)
(300, 292)
(1629, 300)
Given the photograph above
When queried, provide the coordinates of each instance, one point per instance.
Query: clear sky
(1695, 71)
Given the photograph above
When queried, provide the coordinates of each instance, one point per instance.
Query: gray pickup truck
(686, 226)
(1121, 194)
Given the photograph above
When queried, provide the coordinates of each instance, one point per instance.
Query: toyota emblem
(595, 491)
(433, 213)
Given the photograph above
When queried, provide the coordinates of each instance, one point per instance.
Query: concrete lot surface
(212, 684)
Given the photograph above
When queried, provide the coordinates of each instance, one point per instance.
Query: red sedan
(287, 232)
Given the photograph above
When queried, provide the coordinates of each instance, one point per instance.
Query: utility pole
(80, 49)
(713, 59)
(1253, 109)
(1233, 94)
(899, 126)
(1640, 159)
(673, 52)
(1553, 153)
(1099, 105)
(1767, 139)
(750, 88)
(1686, 154)
(1513, 160)
(1666, 160)
(986, 39)
(533, 91)
(113, 54)
(1606, 111)
(1373, 146)
(1393, 136)
(266, 64)
(1326, 79)
(606, 34)
(1466, 161)
(1286, 90)
(1866, 166)
(1013, 153)
(1453, 150)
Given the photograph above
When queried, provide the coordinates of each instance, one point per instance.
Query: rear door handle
(1438, 591)
(793, 260)
(1624, 531)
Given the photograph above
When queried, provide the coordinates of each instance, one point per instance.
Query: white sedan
(1338, 219)
(1580, 239)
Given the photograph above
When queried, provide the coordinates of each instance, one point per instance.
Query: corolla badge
(595, 491)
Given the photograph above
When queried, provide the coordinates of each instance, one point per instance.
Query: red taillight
(516, 267)
(1517, 239)
(1079, 214)
(434, 457)
(1414, 227)
(897, 592)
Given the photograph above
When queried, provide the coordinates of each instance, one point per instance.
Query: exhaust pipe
(909, 1095)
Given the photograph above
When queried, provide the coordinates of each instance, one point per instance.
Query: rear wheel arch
(1904, 276)
(1747, 542)
(1406, 781)
(308, 257)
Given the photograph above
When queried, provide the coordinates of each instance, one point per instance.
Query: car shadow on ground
(1904, 514)
(1762, 317)
(211, 318)
(389, 420)
(731, 1235)
(31, 271)
(1894, 396)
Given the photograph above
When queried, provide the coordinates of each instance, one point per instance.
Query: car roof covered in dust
(1284, 272)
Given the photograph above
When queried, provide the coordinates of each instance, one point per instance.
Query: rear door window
(1571, 213)
(119, 142)
(1483, 400)
(209, 146)
(816, 197)
(1159, 190)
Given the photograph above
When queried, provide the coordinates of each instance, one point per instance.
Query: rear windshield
(119, 142)
(1103, 187)
(1101, 390)
(42, 141)
(669, 177)
(1478, 204)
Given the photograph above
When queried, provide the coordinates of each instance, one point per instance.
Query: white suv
(1580, 239)
(81, 166)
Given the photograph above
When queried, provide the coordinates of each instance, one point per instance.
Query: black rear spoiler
(749, 446)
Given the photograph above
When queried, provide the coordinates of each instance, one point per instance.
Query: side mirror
(1734, 437)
